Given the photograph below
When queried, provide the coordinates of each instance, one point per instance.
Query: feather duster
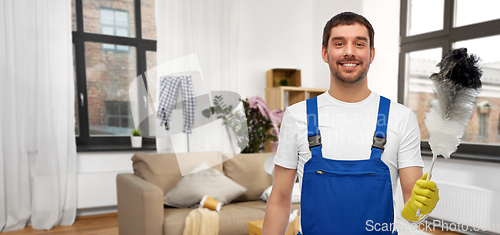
(456, 86)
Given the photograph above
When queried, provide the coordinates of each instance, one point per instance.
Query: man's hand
(424, 196)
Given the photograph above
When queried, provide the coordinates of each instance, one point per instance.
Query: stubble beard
(338, 76)
(345, 81)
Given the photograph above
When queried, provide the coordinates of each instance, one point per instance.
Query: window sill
(467, 156)
(105, 148)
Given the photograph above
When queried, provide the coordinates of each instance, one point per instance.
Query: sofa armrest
(140, 206)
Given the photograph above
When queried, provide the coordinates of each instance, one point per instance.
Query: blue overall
(342, 196)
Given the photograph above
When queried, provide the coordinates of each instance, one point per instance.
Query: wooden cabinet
(274, 76)
(280, 97)
(284, 96)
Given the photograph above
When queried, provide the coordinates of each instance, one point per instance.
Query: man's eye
(339, 44)
(359, 44)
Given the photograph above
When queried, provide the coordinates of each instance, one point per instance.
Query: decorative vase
(136, 141)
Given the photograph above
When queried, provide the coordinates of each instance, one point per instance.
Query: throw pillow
(192, 187)
(163, 170)
(248, 170)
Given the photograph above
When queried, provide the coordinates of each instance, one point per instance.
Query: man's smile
(349, 65)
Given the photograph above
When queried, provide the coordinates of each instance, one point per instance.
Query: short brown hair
(347, 18)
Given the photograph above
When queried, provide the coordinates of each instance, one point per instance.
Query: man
(348, 147)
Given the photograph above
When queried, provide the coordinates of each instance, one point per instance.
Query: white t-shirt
(347, 134)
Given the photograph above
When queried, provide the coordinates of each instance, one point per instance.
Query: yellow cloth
(202, 221)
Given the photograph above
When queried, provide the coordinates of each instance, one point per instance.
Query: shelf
(273, 77)
(275, 96)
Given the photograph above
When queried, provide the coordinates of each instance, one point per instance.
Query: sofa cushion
(233, 218)
(247, 169)
(192, 187)
(163, 170)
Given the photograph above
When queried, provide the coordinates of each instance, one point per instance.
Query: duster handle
(434, 156)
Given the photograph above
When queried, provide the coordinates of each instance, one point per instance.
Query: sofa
(141, 208)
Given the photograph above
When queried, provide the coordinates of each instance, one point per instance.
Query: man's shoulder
(399, 108)
(400, 113)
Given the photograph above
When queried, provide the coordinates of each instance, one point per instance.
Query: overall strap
(380, 136)
(313, 134)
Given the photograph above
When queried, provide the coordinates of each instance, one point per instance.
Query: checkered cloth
(168, 96)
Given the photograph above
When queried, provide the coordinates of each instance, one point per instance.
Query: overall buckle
(315, 140)
(379, 143)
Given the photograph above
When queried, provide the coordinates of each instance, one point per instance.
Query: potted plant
(136, 138)
(258, 128)
(284, 82)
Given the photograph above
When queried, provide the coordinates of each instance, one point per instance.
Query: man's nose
(348, 50)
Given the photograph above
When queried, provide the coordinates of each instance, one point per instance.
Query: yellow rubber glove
(425, 195)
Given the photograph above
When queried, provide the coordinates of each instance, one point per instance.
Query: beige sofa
(140, 195)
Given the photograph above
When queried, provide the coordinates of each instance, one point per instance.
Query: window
(425, 38)
(498, 127)
(483, 126)
(429, 9)
(114, 22)
(118, 115)
(109, 53)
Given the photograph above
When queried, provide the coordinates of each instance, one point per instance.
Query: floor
(89, 225)
(108, 225)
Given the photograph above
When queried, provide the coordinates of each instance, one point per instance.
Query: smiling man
(348, 147)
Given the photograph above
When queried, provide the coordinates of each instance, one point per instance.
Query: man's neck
(350, 93)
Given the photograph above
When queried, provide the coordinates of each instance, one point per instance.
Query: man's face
(348, 54)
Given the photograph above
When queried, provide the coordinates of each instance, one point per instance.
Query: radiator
(469, 206)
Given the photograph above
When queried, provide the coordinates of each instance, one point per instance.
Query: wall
(273, 34)
(383, 75)
(97, 180)
(322, 11)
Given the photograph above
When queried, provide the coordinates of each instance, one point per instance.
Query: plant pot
(136, 141)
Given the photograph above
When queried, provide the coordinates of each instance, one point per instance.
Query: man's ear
(324, 54)
(372, 54)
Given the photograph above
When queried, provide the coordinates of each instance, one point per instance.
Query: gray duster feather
(456, 86)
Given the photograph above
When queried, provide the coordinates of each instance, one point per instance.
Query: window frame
(444, 39)
(84, 141)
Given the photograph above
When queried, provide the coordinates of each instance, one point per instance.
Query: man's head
(347, 18)
(348, 47)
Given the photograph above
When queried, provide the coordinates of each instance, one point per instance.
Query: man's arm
(279, 203)
(408, 176)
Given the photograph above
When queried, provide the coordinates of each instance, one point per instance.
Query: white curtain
(37, 140)
(207, 30)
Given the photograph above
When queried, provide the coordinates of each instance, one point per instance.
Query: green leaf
(207, 113)
(218, 109)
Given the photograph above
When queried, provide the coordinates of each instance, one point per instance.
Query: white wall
(473, 173)
(284, 34)
(96, 179)
(273, 34)
(322, 11)
(383, 75)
